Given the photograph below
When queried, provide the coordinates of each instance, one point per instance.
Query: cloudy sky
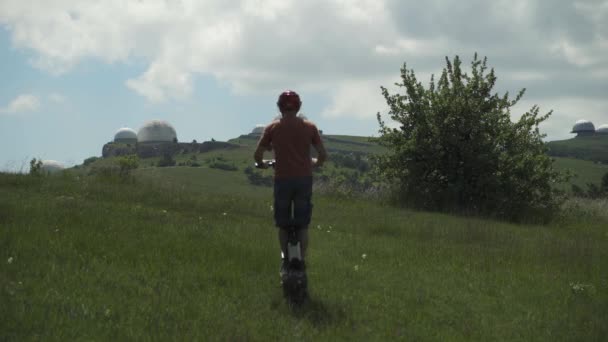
(73, 72)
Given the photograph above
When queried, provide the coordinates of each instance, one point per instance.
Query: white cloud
(22, 103)
(409, 46)
(342, 48)
(161, 81)
(359, 99)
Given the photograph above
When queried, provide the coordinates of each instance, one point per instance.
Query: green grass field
(191, 254)
(583, 171)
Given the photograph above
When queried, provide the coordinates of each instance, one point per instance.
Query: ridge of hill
(592, 148)
(349, 157)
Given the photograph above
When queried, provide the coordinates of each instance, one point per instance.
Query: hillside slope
(349, 158)
(592, 148)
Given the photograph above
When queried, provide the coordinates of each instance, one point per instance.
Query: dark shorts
(293, 202)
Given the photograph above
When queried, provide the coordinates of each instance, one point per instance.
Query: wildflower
(164, 211)
(364, 256)
(328, 231)
(224, 214)
(200, 218)
(10, 260)
(356, 267)
(271, 208)
(581, 288)
(107, 313)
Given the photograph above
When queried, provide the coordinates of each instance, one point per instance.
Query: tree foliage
(455, 147)
(35, 167)
(126, 164)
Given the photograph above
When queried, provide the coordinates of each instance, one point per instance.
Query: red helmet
(289, 99)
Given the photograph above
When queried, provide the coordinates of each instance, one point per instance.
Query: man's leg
(283, 241)
(303, 237)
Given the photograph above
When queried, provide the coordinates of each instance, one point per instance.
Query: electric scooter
(293, 276)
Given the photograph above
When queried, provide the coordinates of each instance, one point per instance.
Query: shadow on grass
(317, 312)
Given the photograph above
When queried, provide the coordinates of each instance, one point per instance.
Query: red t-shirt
(291, 139)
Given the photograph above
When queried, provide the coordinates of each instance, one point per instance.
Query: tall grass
(88, 258)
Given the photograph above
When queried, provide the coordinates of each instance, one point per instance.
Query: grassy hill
(346, 153)
(190, 254)
(592, 148)
(584, 171)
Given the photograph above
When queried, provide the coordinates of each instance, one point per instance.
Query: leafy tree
(456, 147)
(35, 167)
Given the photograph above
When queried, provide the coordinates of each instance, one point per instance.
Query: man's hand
(322, 155)
(258, 155)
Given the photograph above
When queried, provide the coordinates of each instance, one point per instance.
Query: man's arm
(264, 144)
(259, 155)
(321, 155)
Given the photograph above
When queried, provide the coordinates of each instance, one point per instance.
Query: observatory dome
(156, 131)
(582, 126)
(51, 166)
(603, 129)
(125, 135)
(258, 129)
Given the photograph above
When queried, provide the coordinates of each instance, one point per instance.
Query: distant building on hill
(603, 129)
(583, 128)
(156, 131)
(125, 135)
(156, 138)
(51, 166)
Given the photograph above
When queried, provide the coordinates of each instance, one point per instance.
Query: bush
(256, 177)
(192, 161)
(456, 147)
(222, 165)
(352, 160)
(166, 160)
(90, 160)
(126, 164)
(120, 170)
(593, 190)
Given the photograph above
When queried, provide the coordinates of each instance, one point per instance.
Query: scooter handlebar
(266, 163)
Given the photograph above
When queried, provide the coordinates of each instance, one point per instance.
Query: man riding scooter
(291, 138)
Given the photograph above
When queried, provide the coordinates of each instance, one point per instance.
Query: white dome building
(583, 127)
(156, 131)
(125, 135)
(603, 129)
(51, 166)
(258, 130)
